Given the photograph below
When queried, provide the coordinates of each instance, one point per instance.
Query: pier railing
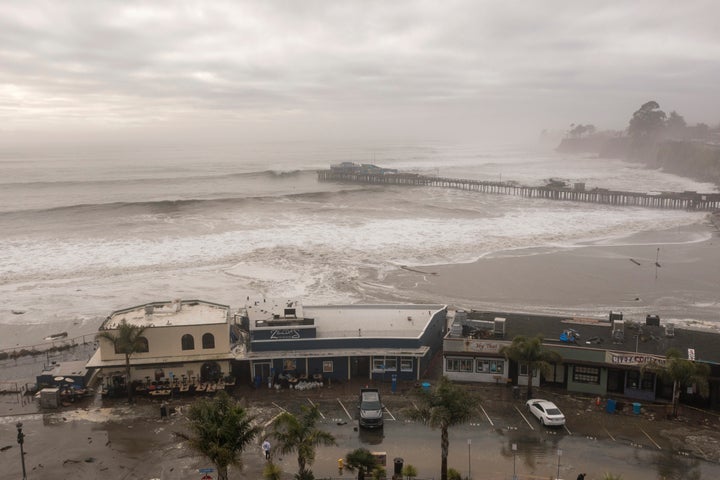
(666, 200)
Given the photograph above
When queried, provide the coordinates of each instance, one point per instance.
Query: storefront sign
(284, 334)
(632, 359)
(480, 346)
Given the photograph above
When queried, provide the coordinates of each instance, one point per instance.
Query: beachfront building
(188, 340)
(287, 341)
(603, 357)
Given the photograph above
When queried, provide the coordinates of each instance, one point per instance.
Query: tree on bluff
(647, 121)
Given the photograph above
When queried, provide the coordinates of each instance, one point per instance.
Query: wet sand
(588, 280)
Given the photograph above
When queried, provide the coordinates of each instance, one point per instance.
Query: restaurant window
(208, 340)
(406, 364)
(188, 342)
(586, 375)
(490, 366)
(459, 364)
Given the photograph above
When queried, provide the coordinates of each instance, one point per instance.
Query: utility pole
(469, 471)
(21, 440)
(559, 452)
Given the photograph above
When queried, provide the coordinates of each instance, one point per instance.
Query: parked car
(371, 408)
(546, 411)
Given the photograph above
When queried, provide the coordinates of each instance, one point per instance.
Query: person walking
(266, 449)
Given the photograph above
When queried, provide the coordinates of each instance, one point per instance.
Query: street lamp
(559, 452)
(514, 450)
(469, 471)
(21, 440)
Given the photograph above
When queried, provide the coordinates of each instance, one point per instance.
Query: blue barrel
(426, 386)
(636, 408)
(610, 407)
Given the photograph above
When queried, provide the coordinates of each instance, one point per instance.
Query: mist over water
(87, 231)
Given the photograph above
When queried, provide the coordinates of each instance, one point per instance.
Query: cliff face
(695, 160)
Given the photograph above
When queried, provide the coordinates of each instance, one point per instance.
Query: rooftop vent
(618, 333)
(669, 330)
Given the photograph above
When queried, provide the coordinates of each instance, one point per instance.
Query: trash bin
(610, 407)
(398, 466)
(516, 392)
(636, 408)
(163, 411)
(426, 385)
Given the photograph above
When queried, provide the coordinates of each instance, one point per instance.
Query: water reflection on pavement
(490, 454)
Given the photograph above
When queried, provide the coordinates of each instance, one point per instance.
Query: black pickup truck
(371, 408)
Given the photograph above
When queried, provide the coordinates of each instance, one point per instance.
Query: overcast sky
(289, 70)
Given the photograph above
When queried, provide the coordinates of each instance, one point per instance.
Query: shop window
(635, 380)
(188, 342)
(406, 364)
(586, 375)
(490, 366)
(459, 364)
(208, 340)
(382, 364)
(378, 364)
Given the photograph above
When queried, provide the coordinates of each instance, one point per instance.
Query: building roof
(172, 313)
(97, 362)
(66, 369)
(339, 321)
(598, 334)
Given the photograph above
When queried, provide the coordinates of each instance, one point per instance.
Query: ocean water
(85, 230)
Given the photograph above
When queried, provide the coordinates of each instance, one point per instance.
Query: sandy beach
(587, 280)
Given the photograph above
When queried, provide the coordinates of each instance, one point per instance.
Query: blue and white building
(339, 342)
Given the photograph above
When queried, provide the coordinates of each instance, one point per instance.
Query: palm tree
(530, 352)
(128, 340)
(409, 471)
(362, 460)
(272, 472)
(221, 429)
(445, 406)
(299, 434)
(681, 372)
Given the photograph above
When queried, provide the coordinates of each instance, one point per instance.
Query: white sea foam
(289, 235)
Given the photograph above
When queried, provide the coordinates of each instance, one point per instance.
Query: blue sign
(206, 470)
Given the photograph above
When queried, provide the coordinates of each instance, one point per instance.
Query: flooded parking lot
(592, 441)
(111, 439)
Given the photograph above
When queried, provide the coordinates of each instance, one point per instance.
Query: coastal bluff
(693, 159)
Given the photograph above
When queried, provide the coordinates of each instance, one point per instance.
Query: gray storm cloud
(414, 69)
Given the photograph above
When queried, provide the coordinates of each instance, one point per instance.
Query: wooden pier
(666, 200)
